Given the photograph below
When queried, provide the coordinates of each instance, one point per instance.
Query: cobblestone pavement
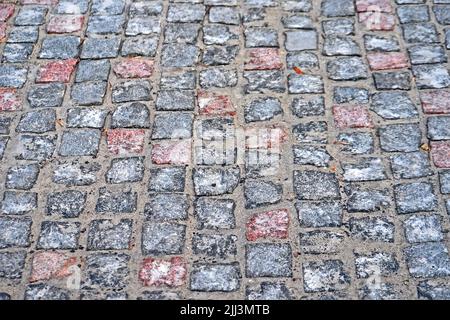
(224, 149)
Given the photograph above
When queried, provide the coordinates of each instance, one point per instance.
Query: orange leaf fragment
(298, 70)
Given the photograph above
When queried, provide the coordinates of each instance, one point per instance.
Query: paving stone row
(212, 149)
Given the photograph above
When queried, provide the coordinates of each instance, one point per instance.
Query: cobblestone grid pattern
(334, 181)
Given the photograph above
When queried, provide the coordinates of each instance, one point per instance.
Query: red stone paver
(51, 265)
(56, 71)
(435, 101)
(126, 141)
(374, 5)
(10, 100)
(271, 224)
(160, 272)
(264, 59)
(172, 152)
(385, 61)
(265, 138)
(377, 21)
(6, 11)
(440, 152)
(212, 104)
(65, 24)
(352, 117)
(134, 68)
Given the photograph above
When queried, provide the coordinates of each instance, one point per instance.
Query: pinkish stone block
(126, 141)
(65, 24)
(264, 59)
(9, 100)
(266, 138)
(134, 68)
(172, 152)
(51, 265)
(271, 224)
(6, 11)
(377, 21)
(160, 272)
(436, 101)
(56, 71)
(440, 152)
(385, 61)
(212, 104)
(352, 117)
(374, 6)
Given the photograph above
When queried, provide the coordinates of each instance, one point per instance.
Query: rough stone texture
(327, 275)
(422, 228)
(210, 182)
(224, 149)
(414, 197)
(219, 277)
(393, 105)
(315, 185)
(105, 270)
(116, 201)
(157, 272)
(269, 291)
(108, 235)
(22, 177)
(215, 214)
(428, 260)
(268, 260)
(16, 232)
(163, 238)
(80, 143)
(69, 204)
(272, 224)
(11, 264)
(18, 203)
(400, 137)
(164, 207)
(261, 193)
(215, 245)
(319, 214)
(59, 235)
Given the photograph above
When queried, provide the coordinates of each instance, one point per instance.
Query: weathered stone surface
(213, 278)
(16, 232)
(116, 201)
(269, 291)
(217, 246)
(163, 238)
(316, 185)
(319, 214)
(69, 204)
(420, 228)
(156, 272)
(261, 193)
(414, 197)
(268, 260)
(59, 235)
(209, 182)
(215, 214)
(224, 149)
(108, 235)
(393, 105)
(428, 260)
(327, 275)
(80, 143)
